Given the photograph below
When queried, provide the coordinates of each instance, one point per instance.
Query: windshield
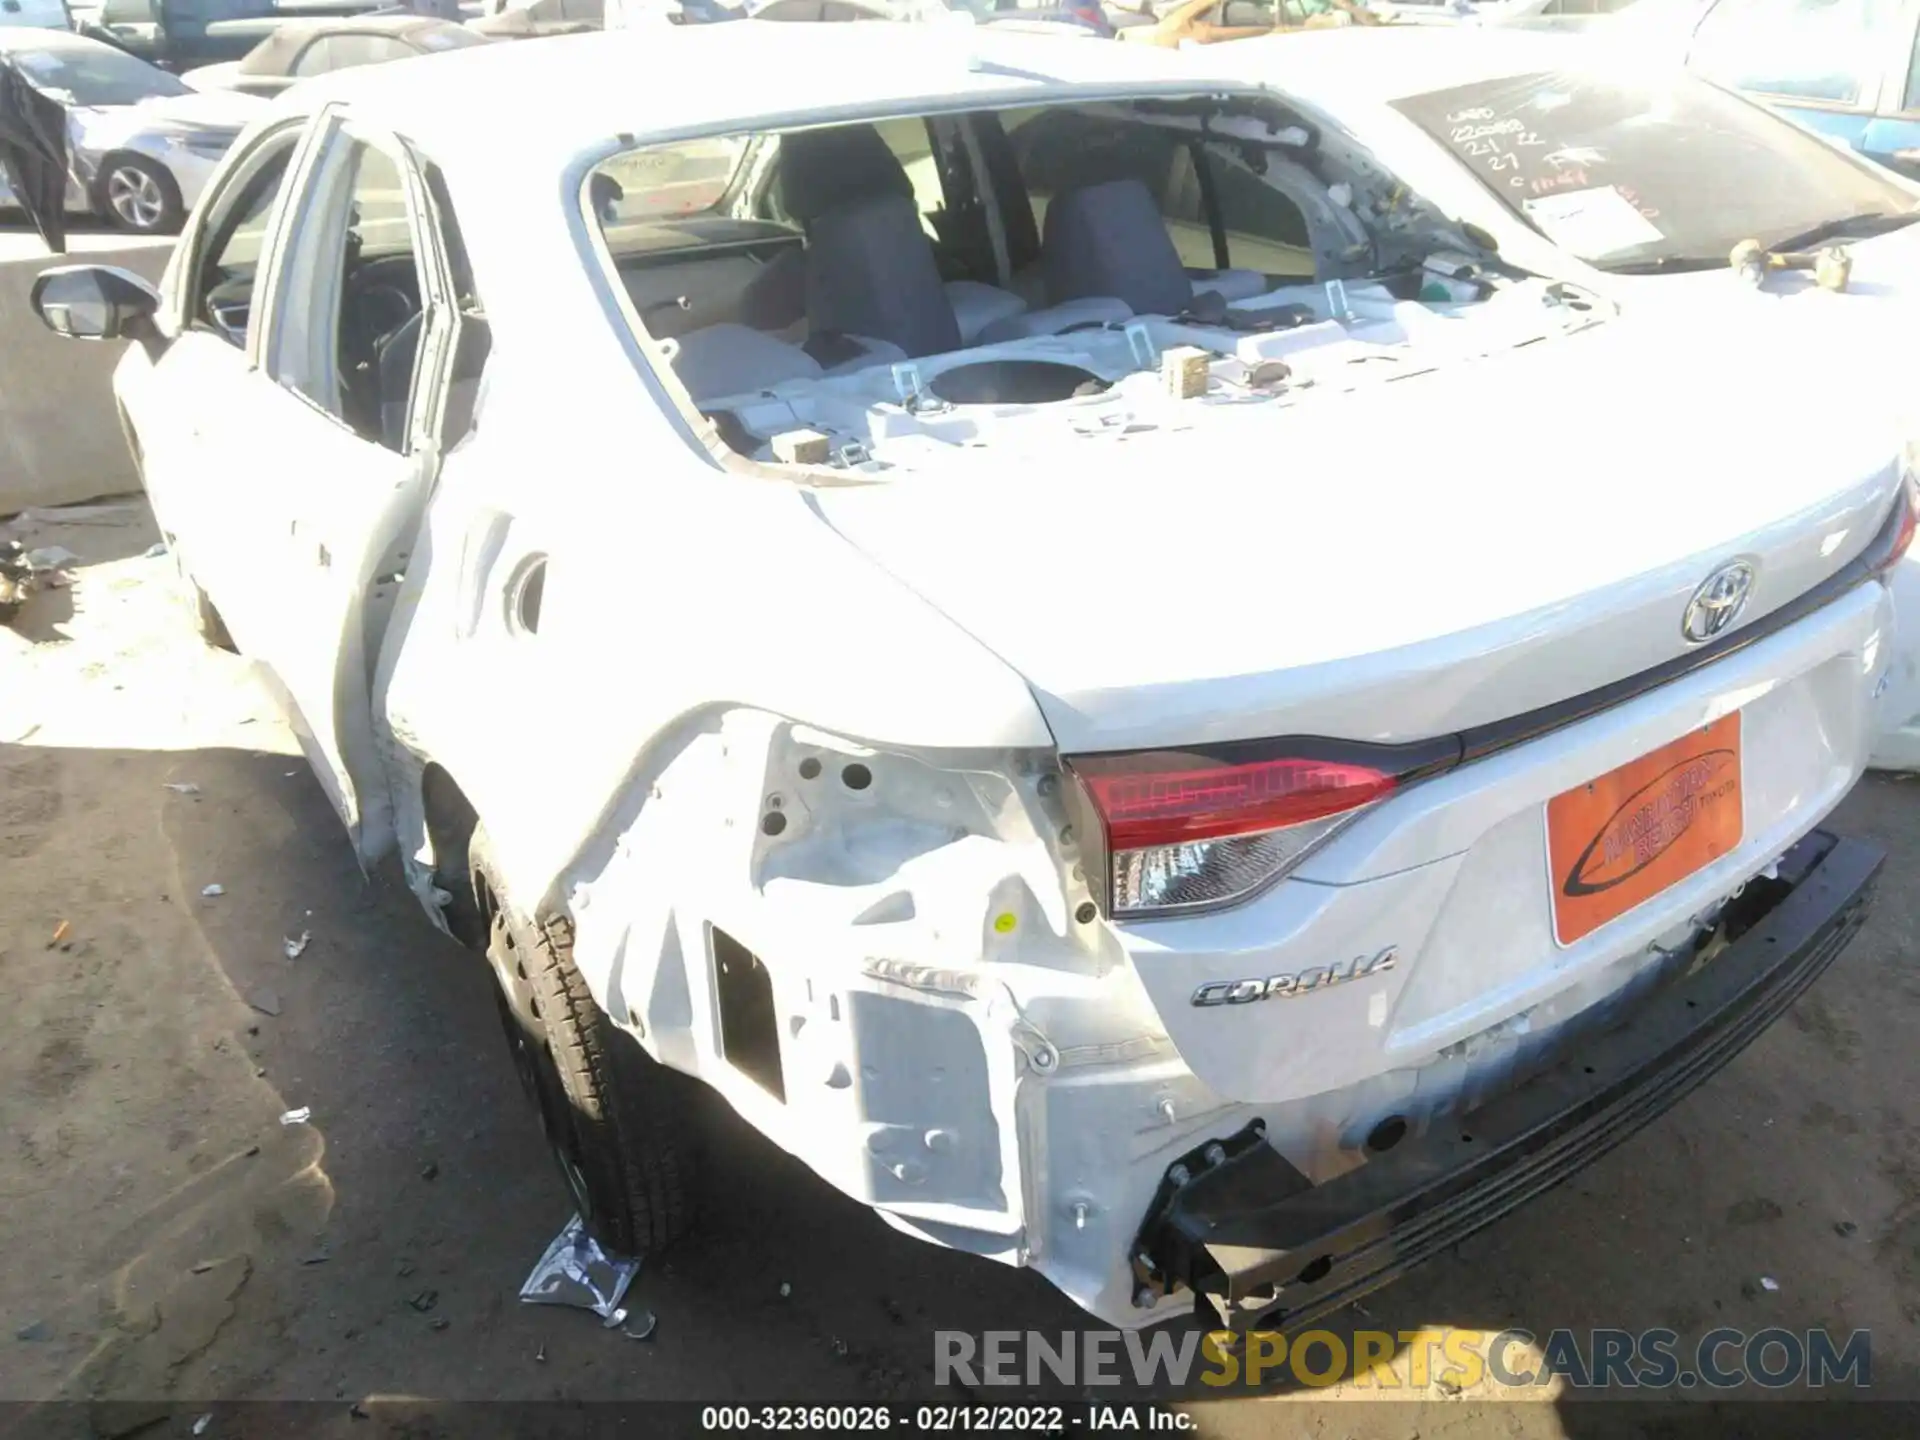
(1632, 173)
(86, 75)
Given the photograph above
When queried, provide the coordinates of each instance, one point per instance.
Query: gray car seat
(393, 366)
(870, 270)
(1109, 239)
(1107, 154)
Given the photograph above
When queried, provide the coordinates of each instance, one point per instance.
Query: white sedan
(141, 144)
(1207, 785)
(1584, 159)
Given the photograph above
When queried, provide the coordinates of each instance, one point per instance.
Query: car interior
(876, 286)
(366, 375)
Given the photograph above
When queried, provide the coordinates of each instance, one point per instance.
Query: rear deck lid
(1403, 561)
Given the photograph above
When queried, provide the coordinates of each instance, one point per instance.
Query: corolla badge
(1287, 987)
(1718, 602)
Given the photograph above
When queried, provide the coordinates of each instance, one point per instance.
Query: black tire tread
(620, 1099)
(630, 1111)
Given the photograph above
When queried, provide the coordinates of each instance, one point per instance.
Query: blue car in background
(1845, 68)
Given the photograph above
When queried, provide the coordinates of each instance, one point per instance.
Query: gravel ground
(169, 1240)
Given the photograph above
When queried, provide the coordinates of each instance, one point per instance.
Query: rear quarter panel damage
(673, 594)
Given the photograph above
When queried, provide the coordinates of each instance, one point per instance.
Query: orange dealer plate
(1626, 836)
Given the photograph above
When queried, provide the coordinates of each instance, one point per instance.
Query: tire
(614, 1117)
(135, 194)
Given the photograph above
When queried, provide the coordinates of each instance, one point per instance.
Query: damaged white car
(1212, 776)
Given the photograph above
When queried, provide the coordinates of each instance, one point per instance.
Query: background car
(180, 34)
(38, 14)
(1208, 22)
(1066, 16)
(638, 14)
(817, 10)
(528, 19)
(141, 144)
(1530, 14)
(1846, 68)
(318, 47)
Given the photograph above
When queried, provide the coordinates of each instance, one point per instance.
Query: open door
(33, 153)
(361, 320)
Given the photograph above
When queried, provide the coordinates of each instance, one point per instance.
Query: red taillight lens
(1907, 524)
(1186, 831)
(1171, 806)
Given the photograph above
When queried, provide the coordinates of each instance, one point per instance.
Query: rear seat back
(869, 269)
(1110, 240)
(870, 272)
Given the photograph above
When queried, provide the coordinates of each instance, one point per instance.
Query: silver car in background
(140, 143)
(302, 50)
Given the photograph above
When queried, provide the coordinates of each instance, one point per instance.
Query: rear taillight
(1903, 527)
(1186, 832)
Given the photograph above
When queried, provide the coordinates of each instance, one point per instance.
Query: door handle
(1905, 157)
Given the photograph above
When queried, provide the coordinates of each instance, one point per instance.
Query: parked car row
(140, 141)
(1293, 620)
(300, 52)
(137, 144)
(1848, 71)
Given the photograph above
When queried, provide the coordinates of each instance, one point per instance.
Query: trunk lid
(1406, 560)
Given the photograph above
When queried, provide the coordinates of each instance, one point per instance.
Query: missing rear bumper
(1236, 1224)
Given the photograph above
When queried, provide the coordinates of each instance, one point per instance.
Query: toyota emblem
(1717, 603)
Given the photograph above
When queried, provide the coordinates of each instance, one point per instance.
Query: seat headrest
(822, 170)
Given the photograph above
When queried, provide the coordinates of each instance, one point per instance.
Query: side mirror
(95, 302)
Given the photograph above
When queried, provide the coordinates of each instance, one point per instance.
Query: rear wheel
(614, 1118)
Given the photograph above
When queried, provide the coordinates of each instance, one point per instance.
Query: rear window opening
(905, 291)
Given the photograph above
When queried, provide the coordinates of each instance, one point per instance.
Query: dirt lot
(169, 1239)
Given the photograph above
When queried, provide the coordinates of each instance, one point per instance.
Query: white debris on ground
(97, 656)
(295, 945)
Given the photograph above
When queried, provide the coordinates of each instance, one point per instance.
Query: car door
(184, 399)
(1893, 136)
(358, 326)
(1821, 62)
